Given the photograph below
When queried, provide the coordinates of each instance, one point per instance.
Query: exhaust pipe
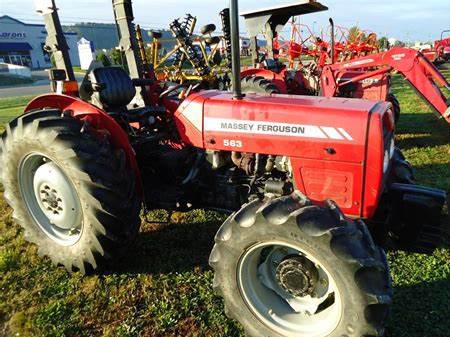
(235, 47)
(333, 56)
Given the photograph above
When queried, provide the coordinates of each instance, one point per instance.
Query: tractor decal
(275, 129)
(358, 63)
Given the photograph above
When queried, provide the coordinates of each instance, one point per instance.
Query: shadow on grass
(168, 248)
(421, 130)
(419, 123)
(421, 310)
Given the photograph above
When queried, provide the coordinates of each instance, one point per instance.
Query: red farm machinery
(442, 47)
(353, 70)
(316, 186)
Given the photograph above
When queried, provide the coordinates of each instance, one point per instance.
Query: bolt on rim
(288, 290)
(51, 199)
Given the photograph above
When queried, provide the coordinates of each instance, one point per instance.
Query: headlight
(386, 161)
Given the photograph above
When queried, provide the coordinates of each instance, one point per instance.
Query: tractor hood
(334, 129)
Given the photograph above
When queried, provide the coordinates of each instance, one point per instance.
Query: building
(105, 36)
(244, 45)
(22, 44)
(86, 52)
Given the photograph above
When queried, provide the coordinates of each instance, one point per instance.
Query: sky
(407, 20)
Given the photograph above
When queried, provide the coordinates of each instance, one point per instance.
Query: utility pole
(123, 14)
(56, 43)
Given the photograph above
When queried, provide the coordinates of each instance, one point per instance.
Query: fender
(277, 79)
(96, 117)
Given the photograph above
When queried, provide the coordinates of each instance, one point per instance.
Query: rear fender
(96, 117)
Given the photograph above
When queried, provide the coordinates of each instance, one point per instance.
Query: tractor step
(415, 223)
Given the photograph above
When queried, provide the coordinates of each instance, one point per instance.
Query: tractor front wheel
(287, 268)
(395, 105)
(70, 190)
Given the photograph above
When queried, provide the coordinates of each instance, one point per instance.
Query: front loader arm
(424, 77)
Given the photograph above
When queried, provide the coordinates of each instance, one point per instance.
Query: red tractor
(367, 73)
(442, 47)
(369, 78)
(316, 186)
(268, 73)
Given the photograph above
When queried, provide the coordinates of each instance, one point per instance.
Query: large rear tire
(258, 85)
(287, 268)
(396, 106)
(70, 190)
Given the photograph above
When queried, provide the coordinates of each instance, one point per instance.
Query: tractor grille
(329, 184)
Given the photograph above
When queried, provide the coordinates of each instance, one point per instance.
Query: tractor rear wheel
(70, 190)
(287, 268)
(258, 85)
(396, 106)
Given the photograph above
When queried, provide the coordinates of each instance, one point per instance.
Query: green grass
(11, 80)
(11, 107)
(78, 69)
(163, 287)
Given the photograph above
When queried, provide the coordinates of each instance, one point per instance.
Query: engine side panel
(338, 181)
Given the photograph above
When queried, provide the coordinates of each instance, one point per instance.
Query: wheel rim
(51, 199)
(288, 290)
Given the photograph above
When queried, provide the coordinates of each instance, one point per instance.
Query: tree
(355, 35)
(383, 42)
(117, 57)
(101, 57)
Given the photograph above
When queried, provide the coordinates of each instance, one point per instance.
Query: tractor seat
(273, 65)
(113, 86)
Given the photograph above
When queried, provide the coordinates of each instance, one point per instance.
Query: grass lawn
(11, 107)
(78, 70)
(163, 287)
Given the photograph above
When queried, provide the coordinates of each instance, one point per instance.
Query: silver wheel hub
(289, 291)
(51, 199)
(56, 196)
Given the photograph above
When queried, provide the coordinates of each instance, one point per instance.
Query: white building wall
(14, 31)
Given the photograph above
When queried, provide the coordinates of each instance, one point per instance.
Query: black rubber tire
(100, 175)
(217, 59)
(208, 29)
(258, 85)
(395, 105)
(344, 247)
(403, 171)
(212, 40)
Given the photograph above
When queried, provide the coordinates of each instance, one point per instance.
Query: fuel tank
(327, 139)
